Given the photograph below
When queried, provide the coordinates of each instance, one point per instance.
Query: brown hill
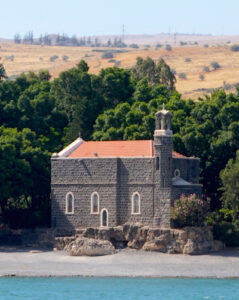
(189, 60)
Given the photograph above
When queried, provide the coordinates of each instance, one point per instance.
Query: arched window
(95, 203)
(177, 173)
(69, 203)
(157, 163)
(135, 204)
(104, 217)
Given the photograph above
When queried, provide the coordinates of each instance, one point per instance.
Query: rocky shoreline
(99, 241)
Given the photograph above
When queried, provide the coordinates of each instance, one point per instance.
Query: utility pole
(123, 32)
(175, 38)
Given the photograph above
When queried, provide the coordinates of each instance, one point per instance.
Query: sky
(106, 17)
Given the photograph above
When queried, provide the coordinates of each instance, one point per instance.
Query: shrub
(159, 45)
(65, 57)
(187, 59)
(53, 58)
(227, 86)
(235, 48)
(215, 65)
(27, 218)
(190, 211)
(228, 233)
(206, 69)
(135, 46)
(182, 75)
(181, 43)
(201, 77)
(10, 57)
(205, 46)
(107, 55)
(224, 228)
(168, 47)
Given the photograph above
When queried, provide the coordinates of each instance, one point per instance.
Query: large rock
(158, 244)
(190, 247)
(90, 232)
(90, 247)
(130, 231)
(136, 244)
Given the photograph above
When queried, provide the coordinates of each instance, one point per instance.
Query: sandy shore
(25, 262)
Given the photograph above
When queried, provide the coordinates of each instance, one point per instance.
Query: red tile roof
(137, 148)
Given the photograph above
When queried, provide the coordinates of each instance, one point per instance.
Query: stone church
(109, 183)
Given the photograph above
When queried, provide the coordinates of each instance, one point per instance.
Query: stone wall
(82, 177)
(115, 180)
(135, 175)
(189, 168)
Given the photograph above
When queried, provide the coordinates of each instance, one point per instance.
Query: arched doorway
(104, 217)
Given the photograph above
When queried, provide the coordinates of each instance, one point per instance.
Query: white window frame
(101, 217)
(132, 204)
(177, 173)
(66, 204)
(92, 204)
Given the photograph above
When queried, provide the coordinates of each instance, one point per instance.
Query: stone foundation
(190, 240)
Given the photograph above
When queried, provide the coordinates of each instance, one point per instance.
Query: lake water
(118, 288)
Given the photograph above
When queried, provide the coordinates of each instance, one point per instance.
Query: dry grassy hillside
(22, 58)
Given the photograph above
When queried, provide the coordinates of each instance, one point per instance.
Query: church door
(104, 218)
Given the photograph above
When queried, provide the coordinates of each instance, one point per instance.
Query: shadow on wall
(60, 220)
(122, 203)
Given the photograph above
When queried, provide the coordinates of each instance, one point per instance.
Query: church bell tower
(163, 147)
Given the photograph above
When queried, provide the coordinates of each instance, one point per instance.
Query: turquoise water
(118, 288)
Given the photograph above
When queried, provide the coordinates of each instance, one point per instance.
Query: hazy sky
(95, 17)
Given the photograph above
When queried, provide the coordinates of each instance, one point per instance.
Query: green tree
(71, 90)
(3, 74)
(116, 86)
(230, 185)
(155, 73)
(24, 169)
(215, 65)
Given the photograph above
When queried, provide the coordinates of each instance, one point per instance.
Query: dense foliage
(230, 182)
(156, 73)
(190, 211)
(39, 116)
(225, 226)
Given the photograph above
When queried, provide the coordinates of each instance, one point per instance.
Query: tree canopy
(155, 73)
(230, 185)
